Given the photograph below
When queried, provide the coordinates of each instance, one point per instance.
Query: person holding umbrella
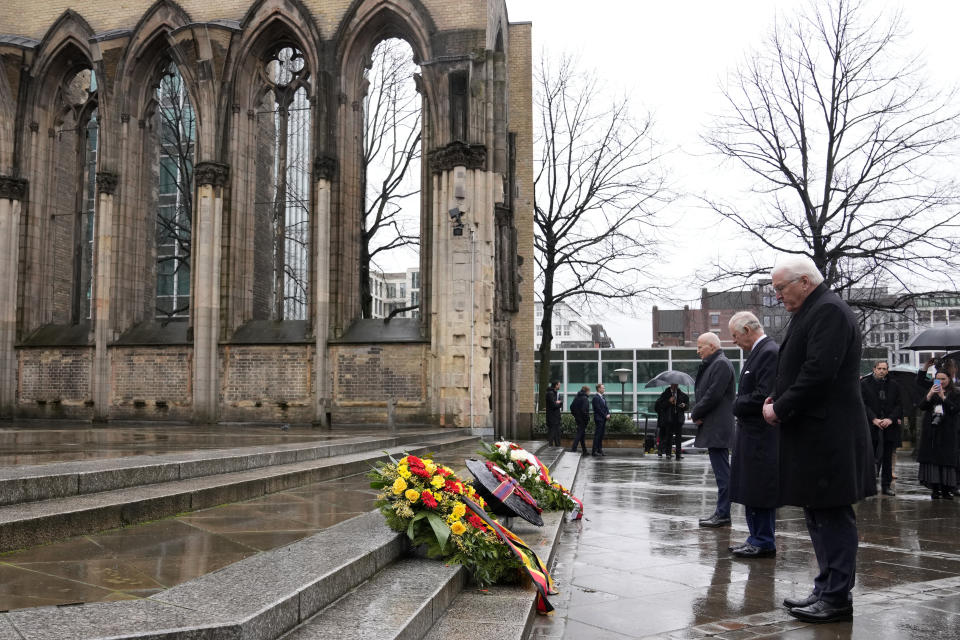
(670, 408)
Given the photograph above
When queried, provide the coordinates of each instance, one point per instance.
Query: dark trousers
(833, 532)
(553, 429)
(598, 435)
(581, 436)
(720, 461)
(667, 436)
(885, 462)
(762, 523)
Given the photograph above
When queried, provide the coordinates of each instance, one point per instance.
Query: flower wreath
(443, 513)
(533, 476)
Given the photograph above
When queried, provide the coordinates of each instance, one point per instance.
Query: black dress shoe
(821, 611)
(750, 551)
(715, 521)
(793, 603)
(887, 491)
(737, 546)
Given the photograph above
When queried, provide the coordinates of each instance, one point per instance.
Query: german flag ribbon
(510, 486)
(528, 558)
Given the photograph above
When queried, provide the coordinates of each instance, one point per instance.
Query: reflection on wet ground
(141, 560)
(639, 565)
(43, 443)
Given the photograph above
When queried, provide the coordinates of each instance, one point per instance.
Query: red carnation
(428, 499)
(443, 472)
(453, 486)
(476, 522)
(420, 471)
(414, 461)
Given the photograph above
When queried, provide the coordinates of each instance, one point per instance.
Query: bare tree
(391, 154)
(847, 146)
(177, 139)
(596, 186)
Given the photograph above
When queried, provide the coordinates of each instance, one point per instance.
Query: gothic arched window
(73, 201)
(176, 129)
(282, 200)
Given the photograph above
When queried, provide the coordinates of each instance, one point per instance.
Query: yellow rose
(399, 485)
(403, 471)
(458, 528)
(437, 482)
(429, 466)
(459, 510)
(411, 495)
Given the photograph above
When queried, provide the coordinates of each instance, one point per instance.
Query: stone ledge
(44, 482)
(258, 598)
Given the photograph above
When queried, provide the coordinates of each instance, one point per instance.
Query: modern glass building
(577, 367)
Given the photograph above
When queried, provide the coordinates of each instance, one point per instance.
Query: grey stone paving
(639, 566)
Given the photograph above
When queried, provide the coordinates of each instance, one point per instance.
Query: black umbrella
(939, 338)
(512, 505)
(669, 377)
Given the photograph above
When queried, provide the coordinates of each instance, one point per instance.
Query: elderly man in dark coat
(713, 413)
(826, 462)
(754, 468)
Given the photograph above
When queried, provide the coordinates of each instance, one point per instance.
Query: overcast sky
(669, 58)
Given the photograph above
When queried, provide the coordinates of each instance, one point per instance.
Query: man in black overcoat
(553, 406)
(881, 399)
(601, 413)
(580, 408)
(712, 412)
(754, 467)
(670, 408)
(826, 463)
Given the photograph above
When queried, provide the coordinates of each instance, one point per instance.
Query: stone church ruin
(180, 200)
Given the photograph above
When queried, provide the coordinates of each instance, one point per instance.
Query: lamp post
(622, 374)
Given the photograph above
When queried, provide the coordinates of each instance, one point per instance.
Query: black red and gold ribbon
(528, 558)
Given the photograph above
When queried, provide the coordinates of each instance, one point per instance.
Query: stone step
(32, 523)
(353, 571)
(400, 602)
(46, 481)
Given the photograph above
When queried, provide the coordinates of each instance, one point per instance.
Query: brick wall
(151, 374)
(54, 375)
(272, 383)
(370, 374)
(520, 81)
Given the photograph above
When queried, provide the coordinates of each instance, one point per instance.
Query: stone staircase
(44, 503)
(356, 579)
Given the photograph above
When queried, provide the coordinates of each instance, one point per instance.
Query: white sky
(669, 58)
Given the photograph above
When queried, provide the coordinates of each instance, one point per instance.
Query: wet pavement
(639, 566)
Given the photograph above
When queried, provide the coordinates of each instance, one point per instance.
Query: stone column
(324, 170)
(12, 192)
(211, 178)
(462, 288)
(103, 294)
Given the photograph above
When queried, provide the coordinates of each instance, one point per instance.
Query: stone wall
(366, 376)
(151, 383)
(266, 383)
(55, 383)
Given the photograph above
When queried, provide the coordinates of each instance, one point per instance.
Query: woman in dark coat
(938, 452)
